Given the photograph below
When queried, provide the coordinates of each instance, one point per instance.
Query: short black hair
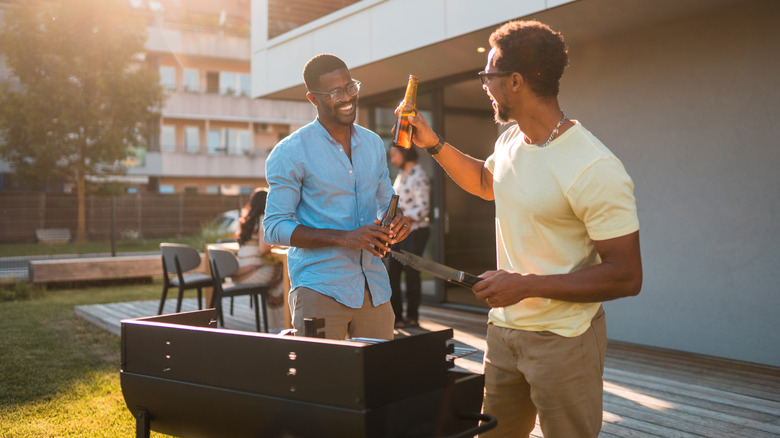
(407, 155)
(535, 51)
(319, 65)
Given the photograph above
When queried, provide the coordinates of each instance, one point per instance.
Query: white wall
(369, 31)
(691, 107)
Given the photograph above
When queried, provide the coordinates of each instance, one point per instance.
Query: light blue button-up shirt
(313, 183)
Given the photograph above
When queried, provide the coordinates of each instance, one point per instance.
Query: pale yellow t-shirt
(551, 203)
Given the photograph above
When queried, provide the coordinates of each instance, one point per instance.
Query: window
(244, 190)
(167, 189)
(190, 190)
(231, 141)
(168, 77)
(191, 79)
(244, 141)
(227, 83)
(237, 141)
(192, 138)
(168, 138)
(245, 84)
(283, 18)
(212, 190)
(214, 144)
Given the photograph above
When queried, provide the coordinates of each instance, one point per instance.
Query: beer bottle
(387, 218)
(407, 107)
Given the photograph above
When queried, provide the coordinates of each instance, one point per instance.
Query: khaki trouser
(342, 321)
(540, 372)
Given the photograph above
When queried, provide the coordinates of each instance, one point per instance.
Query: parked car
(223, 227)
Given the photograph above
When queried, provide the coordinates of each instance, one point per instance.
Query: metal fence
(142, 215)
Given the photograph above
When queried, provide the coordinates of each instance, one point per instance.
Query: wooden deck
(648, 392)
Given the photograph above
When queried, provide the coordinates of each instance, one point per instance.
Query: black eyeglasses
(484, 75)
(339, 93)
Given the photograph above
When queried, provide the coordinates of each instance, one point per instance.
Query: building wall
(369, 31)
(689, 106)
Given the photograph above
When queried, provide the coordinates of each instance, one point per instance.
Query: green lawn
(59, 375)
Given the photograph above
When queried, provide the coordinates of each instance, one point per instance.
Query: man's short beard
(500, 114)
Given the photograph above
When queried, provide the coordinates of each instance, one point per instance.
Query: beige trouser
(341, 321)
(540, 372)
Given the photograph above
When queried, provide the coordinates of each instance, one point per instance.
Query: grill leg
(142, 423)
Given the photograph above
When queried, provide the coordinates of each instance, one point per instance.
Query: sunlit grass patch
(59, 373)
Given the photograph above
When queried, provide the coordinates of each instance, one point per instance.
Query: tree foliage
(80, 95)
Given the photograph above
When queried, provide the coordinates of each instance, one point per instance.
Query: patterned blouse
(414, 189)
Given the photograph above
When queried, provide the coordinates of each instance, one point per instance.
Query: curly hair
(319, 65)
(535, 51)
(250, 214)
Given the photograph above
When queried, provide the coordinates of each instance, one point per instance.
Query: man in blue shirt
(328, 185)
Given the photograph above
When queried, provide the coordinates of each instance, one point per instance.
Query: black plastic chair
(178, 260)
(223, 265)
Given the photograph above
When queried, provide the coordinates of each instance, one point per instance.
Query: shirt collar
(324, 132)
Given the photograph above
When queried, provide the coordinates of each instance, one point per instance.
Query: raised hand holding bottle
(407, 107)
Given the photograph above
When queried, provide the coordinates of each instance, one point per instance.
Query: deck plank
(648, 392)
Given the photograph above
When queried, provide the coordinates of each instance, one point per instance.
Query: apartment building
(214, 137)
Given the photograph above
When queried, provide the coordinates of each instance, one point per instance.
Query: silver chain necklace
(554, 131)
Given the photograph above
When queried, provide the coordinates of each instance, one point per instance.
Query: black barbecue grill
(182, 376)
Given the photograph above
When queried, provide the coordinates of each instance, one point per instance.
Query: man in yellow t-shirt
(567, 239)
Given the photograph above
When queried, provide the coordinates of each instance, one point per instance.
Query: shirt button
(361, 220)
(350, 172)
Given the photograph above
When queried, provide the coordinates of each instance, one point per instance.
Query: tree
(80, 96)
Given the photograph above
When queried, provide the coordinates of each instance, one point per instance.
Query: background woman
(413, 187)
(255, 265)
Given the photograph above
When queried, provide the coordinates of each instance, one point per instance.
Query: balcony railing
(210, 106)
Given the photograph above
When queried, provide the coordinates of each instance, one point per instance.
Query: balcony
(201, 165)
(209, 106)
(184, 42)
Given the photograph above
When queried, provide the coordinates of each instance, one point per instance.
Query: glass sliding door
(462, 225)
(380, 118)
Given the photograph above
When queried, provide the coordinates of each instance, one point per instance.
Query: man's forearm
(618, 275)
(467, 172)
(603, 282)
(305, 237)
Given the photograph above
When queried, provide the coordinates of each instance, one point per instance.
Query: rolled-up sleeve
(284, 194)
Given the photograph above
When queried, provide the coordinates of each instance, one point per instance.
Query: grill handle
(488, 422)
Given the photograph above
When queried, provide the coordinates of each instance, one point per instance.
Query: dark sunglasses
(484, 75)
